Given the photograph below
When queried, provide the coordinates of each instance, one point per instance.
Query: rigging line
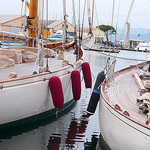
(121, 57)
(65, 15)
(38, 22)
(79, 29)
(89, 16)
(117, 20)
(92, 14)
(74, 22)
(42, 17)
(130, 9)
(74, 16)
(47, 16)
(25, 14)
(47, 23)
(112, 19)
(98, 23)
(83, 19)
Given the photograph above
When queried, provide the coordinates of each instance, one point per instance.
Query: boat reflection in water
(75, 133)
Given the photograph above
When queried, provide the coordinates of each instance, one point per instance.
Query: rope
(122, 57)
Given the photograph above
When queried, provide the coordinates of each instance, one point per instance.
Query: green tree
(107, 29)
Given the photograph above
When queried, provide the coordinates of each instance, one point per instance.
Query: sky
(139, 17)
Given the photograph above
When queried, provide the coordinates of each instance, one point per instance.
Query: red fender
(76, 84)
(87, 75)
(56, 91)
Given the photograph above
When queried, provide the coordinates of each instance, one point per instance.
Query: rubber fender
(100, 78)
(93, 102)
(87, 74)
(76, 84)
(56, 91)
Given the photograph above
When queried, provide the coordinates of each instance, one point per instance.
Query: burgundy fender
(56, 91)
(76, 84)
(87, 75)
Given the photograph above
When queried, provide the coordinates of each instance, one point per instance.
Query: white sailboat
(29, 93)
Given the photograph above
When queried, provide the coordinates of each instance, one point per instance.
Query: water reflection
(54, 143)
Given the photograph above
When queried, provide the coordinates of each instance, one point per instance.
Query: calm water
(72, 130)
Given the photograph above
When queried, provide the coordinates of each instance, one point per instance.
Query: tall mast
(89, 17)
(32, 21)
(79, 27)
(83, 19)
(130, 9)
(92, 13)
(65, 15)
(74, 21)
(112, 19)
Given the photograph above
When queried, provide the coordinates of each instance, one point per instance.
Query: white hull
(26, 97)
(119, 131)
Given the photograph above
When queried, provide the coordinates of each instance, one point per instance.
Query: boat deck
(124, 91)
(25, 69)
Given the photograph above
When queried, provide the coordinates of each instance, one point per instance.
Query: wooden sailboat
(124, 107)
(29, 92)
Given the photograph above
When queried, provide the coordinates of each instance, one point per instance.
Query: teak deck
(124, 91)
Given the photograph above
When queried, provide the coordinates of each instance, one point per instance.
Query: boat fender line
(76, 84)
(95, 94)
(87, 74)
(56, 91)
(117, 107)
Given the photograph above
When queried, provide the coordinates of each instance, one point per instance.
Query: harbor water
(72, 129)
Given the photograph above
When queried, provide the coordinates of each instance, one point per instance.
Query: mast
(89, 18)
(92, 13)
(130, 9)
(32, 21)
(79, 27)
(112, 19)
(74, 21)
(83, 19)
(65, 15)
